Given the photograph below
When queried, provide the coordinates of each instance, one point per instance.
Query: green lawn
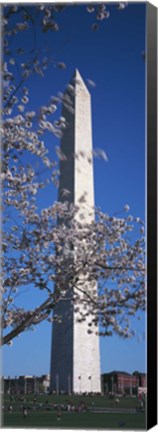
(75, 420)
(98, 401)
(42, 417)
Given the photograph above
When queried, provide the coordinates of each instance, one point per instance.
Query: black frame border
(151, 119)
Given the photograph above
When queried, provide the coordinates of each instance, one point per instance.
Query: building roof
(116, 373)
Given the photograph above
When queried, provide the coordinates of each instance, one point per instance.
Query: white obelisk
(75, 359)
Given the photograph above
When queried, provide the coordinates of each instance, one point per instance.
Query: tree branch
(30, 319)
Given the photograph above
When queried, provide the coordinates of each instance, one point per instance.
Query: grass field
(97, 401)
(75, 420)
(43, 415)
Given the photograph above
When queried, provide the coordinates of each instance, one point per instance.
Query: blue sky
(112, 58)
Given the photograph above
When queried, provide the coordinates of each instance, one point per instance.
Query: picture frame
(151, 96)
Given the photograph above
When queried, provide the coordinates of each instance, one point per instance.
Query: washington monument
(75, 357)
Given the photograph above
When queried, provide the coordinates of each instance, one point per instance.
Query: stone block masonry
(75, 356)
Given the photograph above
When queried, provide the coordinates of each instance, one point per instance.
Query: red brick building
(122, 382)
(142, 377)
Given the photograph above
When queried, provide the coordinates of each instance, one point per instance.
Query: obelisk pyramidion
(75, 357)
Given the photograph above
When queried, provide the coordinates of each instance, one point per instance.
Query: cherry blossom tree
(50, 249)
